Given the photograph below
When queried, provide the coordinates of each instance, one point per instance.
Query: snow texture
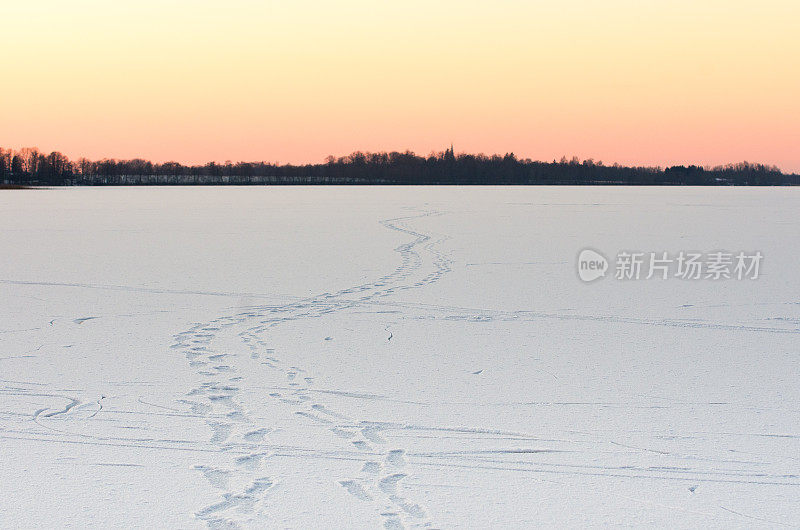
(394, 358)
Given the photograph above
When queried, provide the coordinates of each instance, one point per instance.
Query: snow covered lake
(395, 357)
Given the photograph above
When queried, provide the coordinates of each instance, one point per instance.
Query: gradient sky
(652, 82)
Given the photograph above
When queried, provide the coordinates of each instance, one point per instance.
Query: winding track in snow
(216, 398)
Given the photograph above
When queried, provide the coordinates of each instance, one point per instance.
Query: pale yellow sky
(648, 82)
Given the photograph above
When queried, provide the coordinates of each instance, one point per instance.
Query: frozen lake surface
(394, 357)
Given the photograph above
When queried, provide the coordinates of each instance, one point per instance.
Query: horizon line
(563, 159)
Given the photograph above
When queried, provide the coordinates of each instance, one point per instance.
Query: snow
(386, 357)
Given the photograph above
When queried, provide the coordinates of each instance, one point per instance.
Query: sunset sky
(654, 82)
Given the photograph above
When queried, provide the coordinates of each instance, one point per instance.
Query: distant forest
(31, 167)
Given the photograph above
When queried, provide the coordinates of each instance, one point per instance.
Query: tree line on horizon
(29, 166)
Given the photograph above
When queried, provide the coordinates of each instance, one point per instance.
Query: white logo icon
(591, 265)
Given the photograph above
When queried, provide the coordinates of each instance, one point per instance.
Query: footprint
(313, 417)
(370, 432)
(414, 510)
(259, 485)
(324, 410)
(250, 462)
(392, 521)
(215, 476)
(256, 436)
(197, 408)
(221, 431)
(242, 504)
(373, 468)
(395, 458)
(388, 484)
(224, 399)
(356, 490)
(342, 433)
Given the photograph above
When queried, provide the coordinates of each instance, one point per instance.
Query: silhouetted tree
(446, 167)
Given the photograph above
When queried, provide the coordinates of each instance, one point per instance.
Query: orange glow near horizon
(652, 82)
